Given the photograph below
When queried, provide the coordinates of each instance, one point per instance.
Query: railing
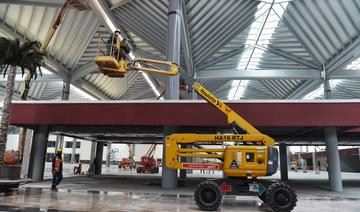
(108, 47)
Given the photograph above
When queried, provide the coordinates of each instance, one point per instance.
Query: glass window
(250, 157)
(51, 144)
(78, 144)
(68, 144)
(49, 157)
(67, 158)
(77, 158)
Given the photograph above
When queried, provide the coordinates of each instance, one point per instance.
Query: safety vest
(57, 164)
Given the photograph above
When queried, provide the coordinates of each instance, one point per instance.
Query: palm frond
(29, 46)
(5, 69)
(26, 55)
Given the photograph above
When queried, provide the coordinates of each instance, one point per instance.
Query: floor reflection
(40, 199)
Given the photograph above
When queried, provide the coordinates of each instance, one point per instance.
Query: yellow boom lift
(248, 154)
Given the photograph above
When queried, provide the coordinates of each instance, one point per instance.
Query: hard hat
(117, 31)
(58, 150)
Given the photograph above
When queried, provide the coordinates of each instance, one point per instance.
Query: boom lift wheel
(280, 197)
(208, 196)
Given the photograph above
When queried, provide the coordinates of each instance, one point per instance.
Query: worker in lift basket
(114, 43)
(57, 168)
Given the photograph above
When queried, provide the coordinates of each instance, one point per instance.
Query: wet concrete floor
(107, 193)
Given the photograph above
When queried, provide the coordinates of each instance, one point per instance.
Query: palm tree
(13, 54)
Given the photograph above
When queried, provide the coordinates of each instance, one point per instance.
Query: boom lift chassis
(249, 155)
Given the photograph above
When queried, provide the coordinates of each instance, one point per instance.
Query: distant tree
(13, 54)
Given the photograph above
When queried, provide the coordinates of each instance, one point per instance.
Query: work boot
(53, 188)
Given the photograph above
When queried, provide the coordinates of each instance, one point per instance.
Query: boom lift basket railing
(110, 57)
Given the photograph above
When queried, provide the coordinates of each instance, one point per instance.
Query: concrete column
(92, 156)
(108, 154)
(98, 157)
(314, 159)
(332, 151)
(288, 156)
(65, 96)
(169, 176)
(73, 151)
(26, 154)
(327, 89)
(332, 154)
(283, 162)
(38, 153)
(59, 142)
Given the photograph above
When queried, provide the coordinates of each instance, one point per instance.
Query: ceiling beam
(234, 74)
(138, 94)
(91, 89)
(149, 55)
(55, 95)
(295, 32)
(45, 3)
(17, 94)
(347, 91)
(350, 52)
(43, 78)
(224, 57)
(288, 56)
(272, 74)
(84, 70)
(219, 41)
(345, 56)
(49, 61)
(304, 89)
(56, 67)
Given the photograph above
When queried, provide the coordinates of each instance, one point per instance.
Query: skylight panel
(354, 65)
(260, 33)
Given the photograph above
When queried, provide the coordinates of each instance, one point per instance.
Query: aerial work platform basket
(111, 59)
(108, 57)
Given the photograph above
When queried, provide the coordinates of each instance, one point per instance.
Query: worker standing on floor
(57, 168)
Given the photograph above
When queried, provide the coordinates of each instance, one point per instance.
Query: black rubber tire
(262, 197)
(208, 196)
(280, 197)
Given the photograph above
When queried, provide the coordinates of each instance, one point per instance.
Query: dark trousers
(57, 177)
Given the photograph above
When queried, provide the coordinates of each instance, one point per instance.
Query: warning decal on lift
(200, 166)
(225, 188)
(234, 165)
(254, 187)
(262, 189)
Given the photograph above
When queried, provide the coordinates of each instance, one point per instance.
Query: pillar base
(332, 154)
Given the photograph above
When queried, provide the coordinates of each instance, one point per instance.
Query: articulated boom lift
(245, 157)
(148, 164)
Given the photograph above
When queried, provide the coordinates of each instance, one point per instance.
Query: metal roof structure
(239, 49)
